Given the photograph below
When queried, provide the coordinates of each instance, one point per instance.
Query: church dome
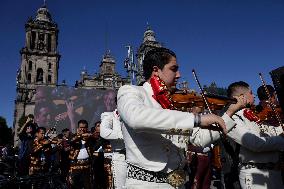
(149, 35)
(108, 57)
(43, 14)
(84, 71)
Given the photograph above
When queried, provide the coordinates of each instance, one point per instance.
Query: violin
(83, 136)
(278, 116)
(86, 135)
(266, 114)
(48, 141)
(185, 101)
(44, 141)
(46, 144)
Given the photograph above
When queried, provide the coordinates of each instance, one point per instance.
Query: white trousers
(119, 168)
(254, 178)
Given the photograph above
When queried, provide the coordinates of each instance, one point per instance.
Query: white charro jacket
(259, 143)
(145, 123)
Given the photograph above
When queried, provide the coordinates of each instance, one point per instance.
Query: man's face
(82, 128)
(170, 74)
(43, 119)
(249, 96)
(40, 134)
(109, 101)
(97, 131)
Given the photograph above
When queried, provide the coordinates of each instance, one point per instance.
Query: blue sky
(224, 40)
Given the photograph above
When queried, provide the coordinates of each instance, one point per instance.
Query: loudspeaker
(277, 76)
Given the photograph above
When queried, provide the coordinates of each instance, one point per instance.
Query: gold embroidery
(176, 178)
(178, 131)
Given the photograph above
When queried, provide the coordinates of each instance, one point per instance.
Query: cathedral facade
(107, 78)
(40, 65)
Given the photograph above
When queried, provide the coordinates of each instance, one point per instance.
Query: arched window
(49, 43)
(41, 36)
(33, 38)
(30, 65)
(29, 78)
(49, 78)
(39, 75)
(40, 46)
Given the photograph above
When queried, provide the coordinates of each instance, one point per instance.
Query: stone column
(28, 39)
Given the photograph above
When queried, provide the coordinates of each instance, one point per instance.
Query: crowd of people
(77, 157)
(147, 143)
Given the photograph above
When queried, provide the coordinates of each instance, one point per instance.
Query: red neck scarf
(250, 115)
(161, 93)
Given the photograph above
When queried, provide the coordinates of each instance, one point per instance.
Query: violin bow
(204, 98)
(272, 106)
(223, 137)
(202, 92)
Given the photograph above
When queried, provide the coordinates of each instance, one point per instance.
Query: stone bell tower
(39, 62)
(39, 57)
(149, 42)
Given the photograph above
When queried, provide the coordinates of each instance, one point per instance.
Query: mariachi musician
(259, 149)
(40, 155)
(110, 129)
(147, 111)
(201, 161)
(81, 155)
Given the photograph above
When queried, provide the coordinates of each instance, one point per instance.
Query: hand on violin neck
(213, 122)
(241, 103)
(87, 134)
